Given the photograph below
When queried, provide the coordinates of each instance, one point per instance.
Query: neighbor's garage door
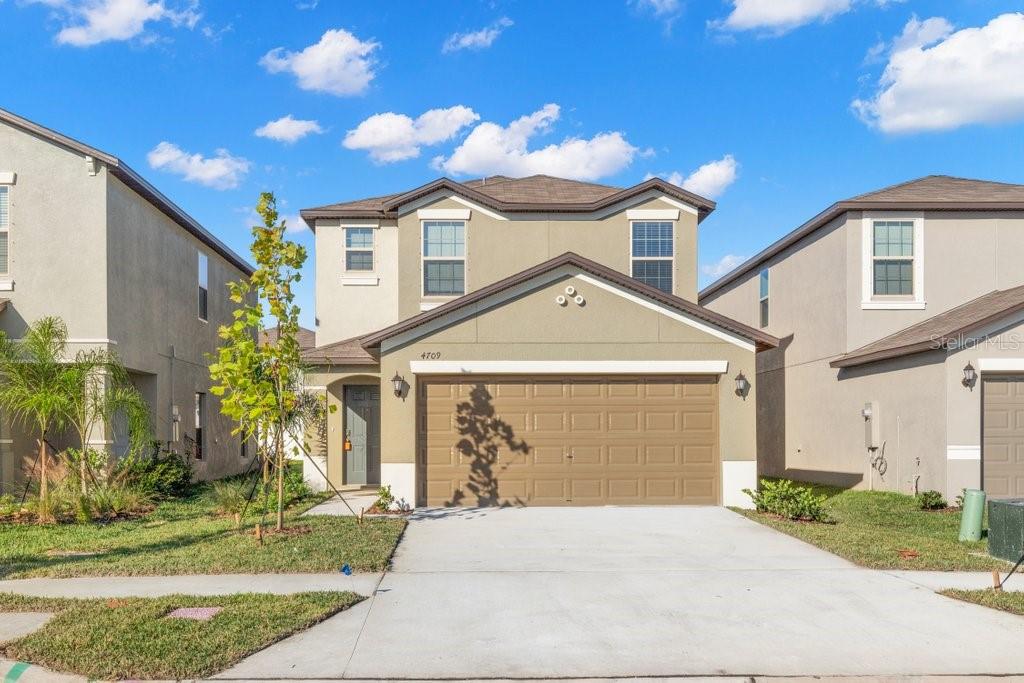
(1003, 442)
(568, 440)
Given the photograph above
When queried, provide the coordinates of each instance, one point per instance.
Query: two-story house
(86, 238)
(529, 341)
(900, 313)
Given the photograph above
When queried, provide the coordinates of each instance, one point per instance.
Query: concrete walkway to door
(606, 592)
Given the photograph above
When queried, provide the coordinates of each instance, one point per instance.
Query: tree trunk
(82, 470)
(280, 475)
(44, 494)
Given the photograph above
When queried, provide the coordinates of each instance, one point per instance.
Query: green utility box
(1006, 528)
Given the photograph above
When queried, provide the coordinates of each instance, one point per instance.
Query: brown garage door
(1003, 444)
(568, 440)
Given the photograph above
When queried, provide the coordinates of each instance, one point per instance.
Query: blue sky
(784, 105)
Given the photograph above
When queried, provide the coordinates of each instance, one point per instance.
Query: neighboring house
(85, 238)
(529, 341)
(900, 313)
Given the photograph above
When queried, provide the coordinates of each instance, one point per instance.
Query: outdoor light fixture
(398, 382)
(970, 374)
(742, 385)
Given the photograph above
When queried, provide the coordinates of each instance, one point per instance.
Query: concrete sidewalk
(190, 584)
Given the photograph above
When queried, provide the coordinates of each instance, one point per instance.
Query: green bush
(385, 498)
(784, 498)
(162, 475)
(931, 500)
(295, 488)
(229, 495)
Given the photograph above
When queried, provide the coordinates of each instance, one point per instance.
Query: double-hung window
(444, 258)
(652, 252)
(892, 266)
(762, 300)
(359, 249)
(5, 229)
(204, 287)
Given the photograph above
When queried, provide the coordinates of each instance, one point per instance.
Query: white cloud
(491, 149)
(221, 172)
(937, 79)
(339, 64)
(666, 10)
(779, 16)
(710, 180)
(722, 266)
(393, 137)
(476, 40)
(90, 22)
(288, 129)
(294, 225)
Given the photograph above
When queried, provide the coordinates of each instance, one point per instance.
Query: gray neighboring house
(901, 315)
(85, 238)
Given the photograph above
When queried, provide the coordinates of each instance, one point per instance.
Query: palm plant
(37, 387)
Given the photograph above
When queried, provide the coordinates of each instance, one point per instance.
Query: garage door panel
(631, 440)
(1003, 436)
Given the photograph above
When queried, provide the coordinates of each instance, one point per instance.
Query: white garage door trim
(563, 367)
(1001, 364)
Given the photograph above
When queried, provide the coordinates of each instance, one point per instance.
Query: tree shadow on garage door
(491, 445)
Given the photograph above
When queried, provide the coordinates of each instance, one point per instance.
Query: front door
(362, 430)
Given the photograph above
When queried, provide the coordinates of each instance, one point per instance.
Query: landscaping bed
(1006, 601)
(884, 530)
(191, 536)
(134, 637)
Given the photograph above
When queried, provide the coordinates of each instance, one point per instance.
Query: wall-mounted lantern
(398, 383)
(970, 375)
(742, 385)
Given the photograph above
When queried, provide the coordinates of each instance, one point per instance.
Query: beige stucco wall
(534, 327)
(808, 418)
(495, 248)
(121, 275)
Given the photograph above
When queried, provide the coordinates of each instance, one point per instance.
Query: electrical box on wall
(872, 426)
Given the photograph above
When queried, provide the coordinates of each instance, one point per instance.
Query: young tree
(105, 396)
(258, 382)
(37, 387)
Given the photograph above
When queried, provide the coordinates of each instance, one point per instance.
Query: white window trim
(358, 277)
(6, 229)
(465, 261)
(762, 324)
(868, 300)
(671, 259)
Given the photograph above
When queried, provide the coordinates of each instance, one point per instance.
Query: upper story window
(359, 249)
(893, 261)
(444, 258)
(893, 258)
(204, 286)
(652, 253)
(5, 227)
(762, 300)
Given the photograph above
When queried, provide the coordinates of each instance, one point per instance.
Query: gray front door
(362, 428)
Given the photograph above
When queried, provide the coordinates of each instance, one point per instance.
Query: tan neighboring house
(85, 238)
(529, 341)
(901, 318)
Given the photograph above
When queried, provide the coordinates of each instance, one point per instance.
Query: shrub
(784, 498)
(162, 475)
(959, 500)
(385, 499)
(229, 495)
(295, 488)
(931, 500)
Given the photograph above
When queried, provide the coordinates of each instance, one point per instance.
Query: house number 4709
(430, 355)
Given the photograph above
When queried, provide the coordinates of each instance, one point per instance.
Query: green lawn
(133, 638)
(872, 527)
(1008, 602)
(186, 537)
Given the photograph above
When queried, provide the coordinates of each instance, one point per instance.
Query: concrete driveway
(608, 592)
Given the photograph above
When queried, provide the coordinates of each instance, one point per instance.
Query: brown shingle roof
(759, 338)
(538, 193)
(938, 331)
(934, 192)
(345, 352)
(307, 338)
